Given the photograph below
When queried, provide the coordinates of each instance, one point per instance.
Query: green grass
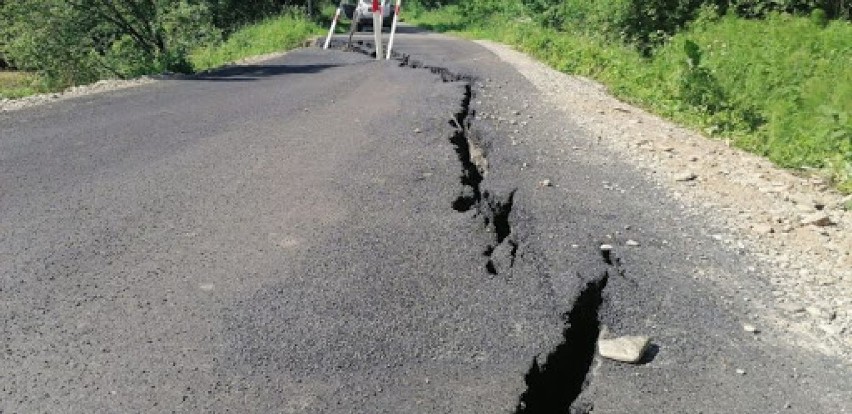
(15, 84)
(780, 87)
(272, 35)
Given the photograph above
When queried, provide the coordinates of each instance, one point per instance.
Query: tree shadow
(434, 27)
(411, 29)
(248, 73)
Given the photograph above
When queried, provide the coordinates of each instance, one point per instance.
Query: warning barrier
(377, 27)
(393, 26)
(333, 25)
(378, 21)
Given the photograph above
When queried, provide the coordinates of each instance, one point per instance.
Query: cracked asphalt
(281, 237)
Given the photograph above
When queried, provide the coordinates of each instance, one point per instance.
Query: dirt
(769, 213)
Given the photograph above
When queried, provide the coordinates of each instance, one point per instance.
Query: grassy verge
(18, 84)
(272, 35)
(780, 87)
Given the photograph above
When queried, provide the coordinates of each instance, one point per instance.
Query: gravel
(7, 105)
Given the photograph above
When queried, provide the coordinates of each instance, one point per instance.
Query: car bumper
(367, 17)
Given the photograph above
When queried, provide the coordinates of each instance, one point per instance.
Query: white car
(364, 11)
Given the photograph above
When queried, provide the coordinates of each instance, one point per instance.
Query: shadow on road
(429, 28)
(247, 73)
(402, 28)
(406, 28)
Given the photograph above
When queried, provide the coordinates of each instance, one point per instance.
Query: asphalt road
(327, 233)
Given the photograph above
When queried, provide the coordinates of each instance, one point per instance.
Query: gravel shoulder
(794, 228)
(106, 85)
(109, 85)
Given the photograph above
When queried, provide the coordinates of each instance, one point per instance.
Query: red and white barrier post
(333, 25)
(393, 26)
(377, 27)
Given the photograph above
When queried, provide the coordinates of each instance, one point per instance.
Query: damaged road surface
(324, 233)
(272, 238)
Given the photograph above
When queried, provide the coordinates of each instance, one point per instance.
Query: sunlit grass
(271, 35)
(14, 84)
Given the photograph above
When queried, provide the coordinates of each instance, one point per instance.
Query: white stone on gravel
(791, 307)
(832, 330)
(820, 313)
(763, 229)
(685, 176)
(628, 349)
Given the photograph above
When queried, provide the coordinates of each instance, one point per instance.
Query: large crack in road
(554, 384)
(326, 233)
(556, 379)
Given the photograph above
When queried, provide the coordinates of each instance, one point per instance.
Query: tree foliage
(648, 21)
(642, 22)
(76, 41)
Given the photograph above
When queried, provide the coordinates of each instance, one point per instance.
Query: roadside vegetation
(15, 84)
(773, 77)
(271, 35)
(49, 45)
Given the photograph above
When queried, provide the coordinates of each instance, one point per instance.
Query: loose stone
(750, 328)
(763, 229)
(685, 176)
(628, 349)
(817, 219)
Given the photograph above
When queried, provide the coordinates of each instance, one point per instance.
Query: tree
(78, 41)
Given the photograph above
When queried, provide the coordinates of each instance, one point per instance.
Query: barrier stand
(356, 17)
(393, 27)
(377, 27)
(333, 25)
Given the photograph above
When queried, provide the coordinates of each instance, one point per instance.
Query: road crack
(553, 386)
(554, 383)
(492, 207)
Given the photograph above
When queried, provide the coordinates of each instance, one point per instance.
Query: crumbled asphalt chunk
(629, 349)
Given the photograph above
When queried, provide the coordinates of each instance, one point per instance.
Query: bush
(74, 42)
(698, 87)
(644, 23)
(271, 35)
